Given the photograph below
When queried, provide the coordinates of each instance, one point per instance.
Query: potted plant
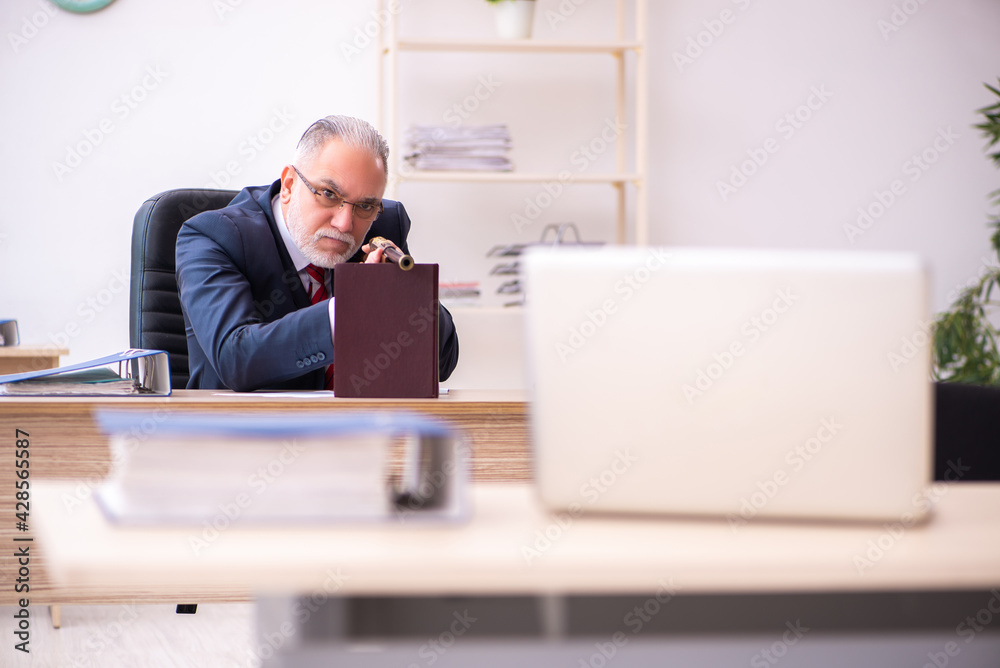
(967, 359)
(514, 17)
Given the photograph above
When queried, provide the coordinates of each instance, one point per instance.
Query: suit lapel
(289, 276)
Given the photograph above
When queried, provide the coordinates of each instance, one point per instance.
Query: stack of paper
(467, 147)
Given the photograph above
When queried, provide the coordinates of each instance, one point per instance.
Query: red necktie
(318, 293)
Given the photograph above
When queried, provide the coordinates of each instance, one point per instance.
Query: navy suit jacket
(249, 322)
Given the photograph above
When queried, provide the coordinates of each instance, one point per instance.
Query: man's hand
(375, 255)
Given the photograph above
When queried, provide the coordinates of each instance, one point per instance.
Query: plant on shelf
(965, 340)
(514, 17)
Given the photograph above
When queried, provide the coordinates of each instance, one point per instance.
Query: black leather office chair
(155, 318)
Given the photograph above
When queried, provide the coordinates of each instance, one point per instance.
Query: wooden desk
(21, 359)
(711, 596)
(958, 549)
(66, 444)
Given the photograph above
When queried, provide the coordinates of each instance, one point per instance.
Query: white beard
(307, 242)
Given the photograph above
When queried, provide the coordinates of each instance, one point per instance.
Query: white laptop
(734, 383)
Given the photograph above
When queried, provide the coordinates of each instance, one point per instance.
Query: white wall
(892, 92)
(231, 70)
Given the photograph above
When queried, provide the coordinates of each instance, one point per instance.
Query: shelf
(392, 48)
(514, 177)
(514, 46)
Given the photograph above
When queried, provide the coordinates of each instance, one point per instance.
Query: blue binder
(149, 371)
(194, 468)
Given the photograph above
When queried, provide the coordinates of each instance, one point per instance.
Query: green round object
(82, 6)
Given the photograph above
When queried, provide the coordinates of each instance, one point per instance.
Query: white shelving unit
(392, 47)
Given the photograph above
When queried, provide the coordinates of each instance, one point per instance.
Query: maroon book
(385, 337)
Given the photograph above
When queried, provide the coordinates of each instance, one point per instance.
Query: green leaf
(964, 341)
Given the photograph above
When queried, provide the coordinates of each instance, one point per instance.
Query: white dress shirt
(298, 259)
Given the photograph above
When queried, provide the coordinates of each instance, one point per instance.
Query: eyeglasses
(364, 211)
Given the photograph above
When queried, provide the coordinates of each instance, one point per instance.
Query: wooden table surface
(24, 358)
(67, 445)
(512, 546)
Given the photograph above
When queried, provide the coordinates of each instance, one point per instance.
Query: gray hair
(352, 131)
